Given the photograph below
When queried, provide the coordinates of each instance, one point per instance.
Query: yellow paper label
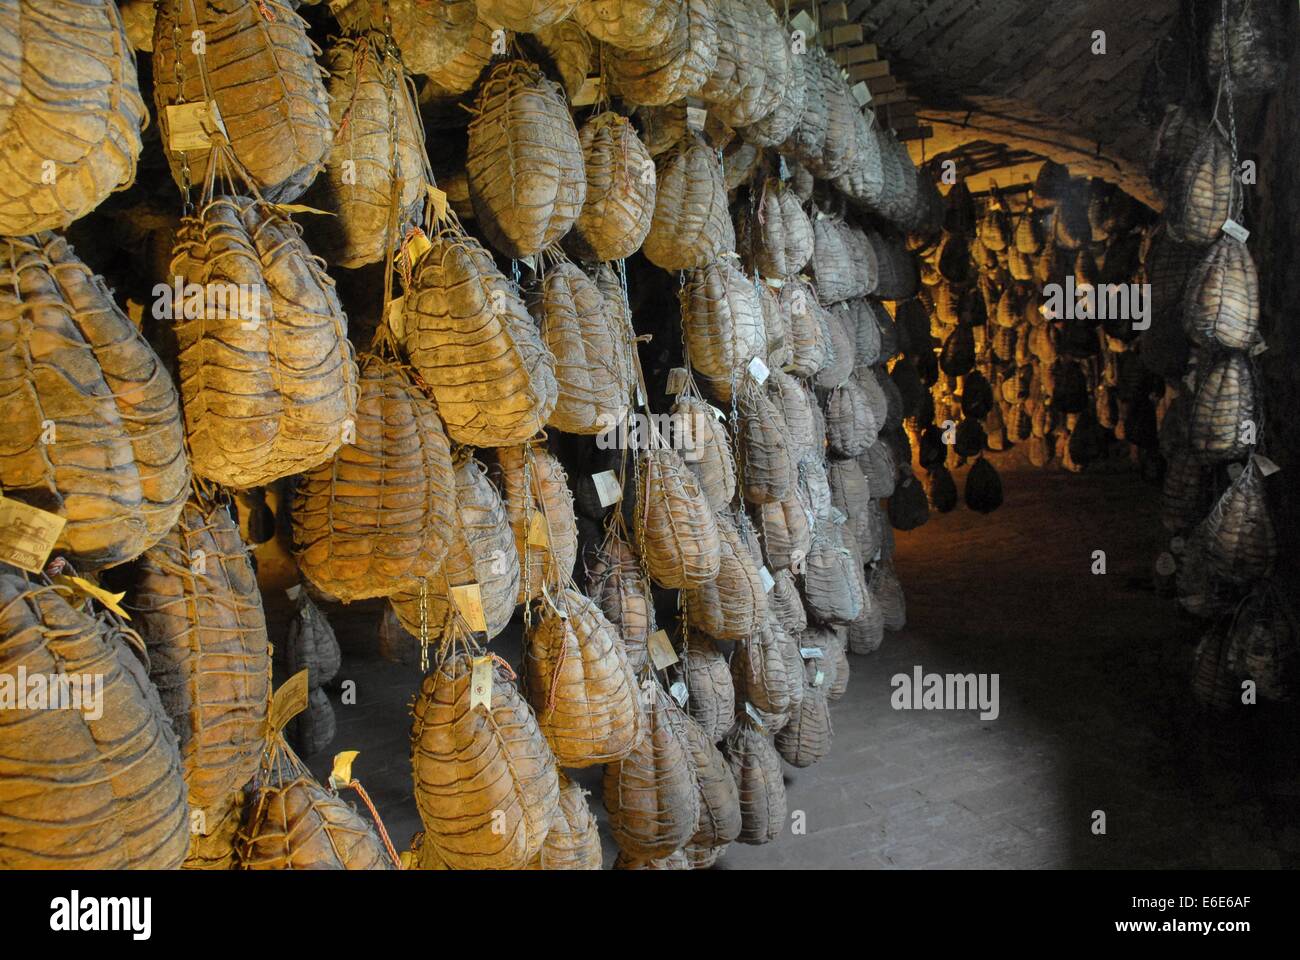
(588, 92)
(439, 200)
(290, 208)
(662, 654)
(538, 535)
(480, 684)
(341, 774)
(27, 534)
(417, 247)
(289, 701)
(468, 598)
(86, 588)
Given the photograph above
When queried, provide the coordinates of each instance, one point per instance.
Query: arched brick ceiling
(1022, 73)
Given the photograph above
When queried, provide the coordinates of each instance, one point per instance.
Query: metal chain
(1237, 203)
(424, 625)
(177, 59)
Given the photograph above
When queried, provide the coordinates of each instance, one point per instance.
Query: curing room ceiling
(1023, 73)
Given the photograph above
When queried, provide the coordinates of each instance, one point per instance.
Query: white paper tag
(802, 21)
(1258, 348)
(861, 93)
(776, 283)
(811, 653)
(27, 534)
(797, 564)
(676, 380)
(189, 125)
(753, 713)
(1235, 230)
(480, 684)
(765, 575)
(678, 690)
(818, 678)
(695, 118)
(608, 488)
(1266, 466)
(293, 592)
(758, 370)
(662, 654)
(396, 322)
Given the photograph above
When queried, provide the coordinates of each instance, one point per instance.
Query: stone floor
(1094, 714)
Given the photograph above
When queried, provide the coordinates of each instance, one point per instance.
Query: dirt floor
(1094, 711)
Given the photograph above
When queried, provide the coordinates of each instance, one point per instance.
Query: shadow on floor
(1094, 711)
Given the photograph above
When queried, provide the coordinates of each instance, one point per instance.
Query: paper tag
(758, 370)
(678, 690)
(289, 701)
(293, 592)
(27, 535)
(538, 534)
(818, 678)
(468, 598)
(1235, 230)
(480, 684)
(776, 283)
(797, 564)
(587, 93)
(189, 125)
(753, 713)
(676, 380)
(417, 247)
(803, 22)
(1258, 348)
(608, 489)
(396, 322)
(811, 653)
(88, 589)
(861, 93)
(439, 201)
(765, 576)
(341, 772)
(1266, 466)
(662, 654)
(695, 118)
